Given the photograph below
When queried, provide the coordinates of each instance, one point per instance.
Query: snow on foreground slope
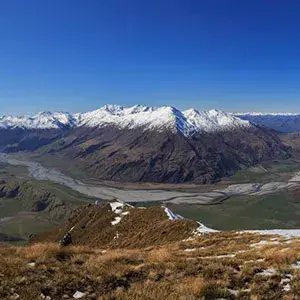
(117, 208)
(186, 122)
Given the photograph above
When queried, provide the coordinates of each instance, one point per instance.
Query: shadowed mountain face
(138, 155)
(149, 156)
(19, 139)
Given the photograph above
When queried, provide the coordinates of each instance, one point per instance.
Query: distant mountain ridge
(187, 122)
(256, 113)
(282, 122)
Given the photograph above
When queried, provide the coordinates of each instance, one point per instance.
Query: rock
(92, 296)
(90, 289)
(15, 296)
(31, 264)
(22, 280)
(67, 240)
(66, 296)
(79, 295)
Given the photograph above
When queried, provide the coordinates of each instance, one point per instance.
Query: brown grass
(156, 272)
(140, 228)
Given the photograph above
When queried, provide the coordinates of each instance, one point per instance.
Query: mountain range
(186, 122)
(149, 144)
(282, 122)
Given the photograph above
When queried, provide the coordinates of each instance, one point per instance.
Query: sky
(78, 55)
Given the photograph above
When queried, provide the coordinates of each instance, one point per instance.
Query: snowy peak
(213, 120)
(165, 117)
(43, 120)
(186, 122)
(162, 118)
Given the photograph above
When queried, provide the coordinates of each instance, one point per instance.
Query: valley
(29, 206)
(236, 203)
(210, 166)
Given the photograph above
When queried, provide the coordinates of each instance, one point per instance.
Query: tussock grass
(220, 265)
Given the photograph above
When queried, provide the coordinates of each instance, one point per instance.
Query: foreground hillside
(213, 266)
(116, 225)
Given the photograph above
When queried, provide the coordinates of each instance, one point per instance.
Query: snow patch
(221, 256)
(288, 233)
(202, 229)
(116, 207)
(116, 221)
(170, 214)
(125, 213)
(287, 288)
(233, 292)
(31, 264)
(116, 236)
(263, 243)
(296, 265)
(267, 272)
(79, 295)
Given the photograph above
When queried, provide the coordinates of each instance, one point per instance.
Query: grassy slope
(20, 219)
(194, 269)
(91, 225)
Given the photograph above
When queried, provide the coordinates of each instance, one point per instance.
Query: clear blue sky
(77, 55)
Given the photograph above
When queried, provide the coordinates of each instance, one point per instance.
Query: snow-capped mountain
(213, 120)
(43, 120)
(186, 122)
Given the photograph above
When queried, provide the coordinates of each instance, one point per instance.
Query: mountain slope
(118, 225)
(29, 206)
(137, 155)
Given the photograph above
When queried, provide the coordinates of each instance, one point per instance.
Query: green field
(272, 211)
